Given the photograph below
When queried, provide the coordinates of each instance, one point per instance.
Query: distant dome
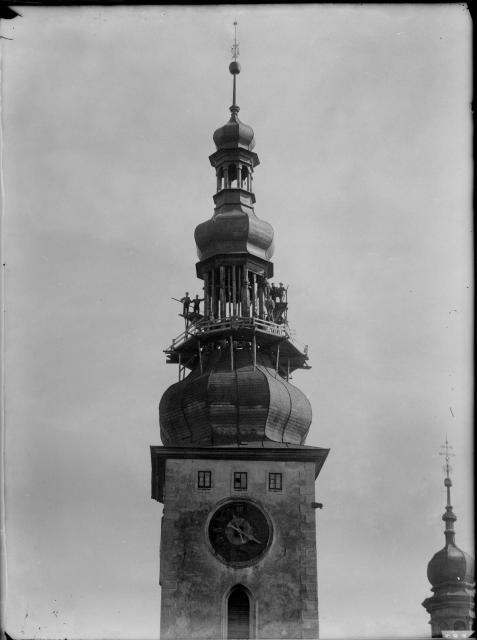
(224, 407)
(450, 564)
(234, 134)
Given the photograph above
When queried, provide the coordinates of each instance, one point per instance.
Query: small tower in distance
(451, 574)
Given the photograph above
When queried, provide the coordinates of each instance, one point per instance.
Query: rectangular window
(275, 481)
(240, 481)
(204, 479)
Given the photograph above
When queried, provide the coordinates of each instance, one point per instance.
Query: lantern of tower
(238, 537)
(451, 574)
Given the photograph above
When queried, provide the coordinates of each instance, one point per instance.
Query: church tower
(238, 536)
(451, 574)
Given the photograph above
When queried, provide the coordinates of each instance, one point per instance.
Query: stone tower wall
(195, 583)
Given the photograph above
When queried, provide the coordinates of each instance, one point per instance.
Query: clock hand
(250, 537)
(241, 533)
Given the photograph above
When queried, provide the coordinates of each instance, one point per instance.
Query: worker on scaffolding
(270, 307)
(266, 288)
(196, 304)
(273, 292)
(186, 303)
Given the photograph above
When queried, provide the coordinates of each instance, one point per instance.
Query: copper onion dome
(451, 574)
(224, 407)
(233, 230)
(234, 134)
(234, 227)
(450, 564)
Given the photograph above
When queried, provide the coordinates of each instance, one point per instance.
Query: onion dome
(450, 564)
(232, 407)
(234, 227)
(234, 134)
(234, 231)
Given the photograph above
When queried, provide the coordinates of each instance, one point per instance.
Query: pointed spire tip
(234, 67)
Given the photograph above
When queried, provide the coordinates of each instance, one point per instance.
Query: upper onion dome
(234, 134)
(450, 564)
(234, 231)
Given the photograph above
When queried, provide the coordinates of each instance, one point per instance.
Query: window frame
(204, 482)
(273, 476)
(242, 477)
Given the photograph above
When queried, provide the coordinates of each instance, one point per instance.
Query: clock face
(239, 532)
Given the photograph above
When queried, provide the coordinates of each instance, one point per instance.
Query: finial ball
(447, 482)
(234, 67)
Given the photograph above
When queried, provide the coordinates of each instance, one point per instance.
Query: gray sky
(363, 128)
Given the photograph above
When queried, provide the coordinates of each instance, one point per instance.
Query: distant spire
(449, 516)
(234, 68)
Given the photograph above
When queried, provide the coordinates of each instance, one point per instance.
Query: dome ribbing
(234, 134)
(221, 406)
(450, 564)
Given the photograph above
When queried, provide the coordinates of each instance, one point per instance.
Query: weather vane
(445, 451)
(235, 46)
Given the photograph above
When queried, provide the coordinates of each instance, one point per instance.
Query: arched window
(459, 625)
(220, 179)
(238, 614)
(233, 178)
(244, 179)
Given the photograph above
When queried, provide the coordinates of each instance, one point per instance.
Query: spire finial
(235, 46)
(234, 68)
(449, 516)
(446, 451)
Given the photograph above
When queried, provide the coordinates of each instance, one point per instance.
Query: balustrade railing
(202, 327)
